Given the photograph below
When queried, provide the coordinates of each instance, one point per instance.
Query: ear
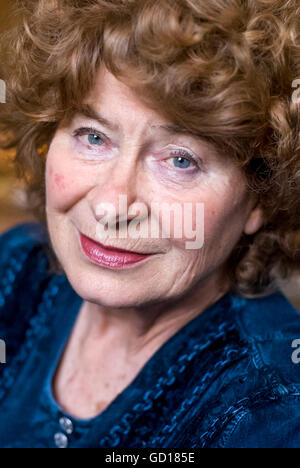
(254, 222)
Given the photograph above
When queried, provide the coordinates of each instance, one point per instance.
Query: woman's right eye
(90, 144)
(90, 137)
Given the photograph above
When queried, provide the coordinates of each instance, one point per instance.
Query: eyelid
(182, 146)
(89, 130)
(182, 152)
(187, 154)
(175, 154)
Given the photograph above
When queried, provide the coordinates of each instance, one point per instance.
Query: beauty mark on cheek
(60, 181)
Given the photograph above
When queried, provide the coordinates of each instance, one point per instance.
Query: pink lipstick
(109, 256)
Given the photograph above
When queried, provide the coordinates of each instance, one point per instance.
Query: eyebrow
(87, 111)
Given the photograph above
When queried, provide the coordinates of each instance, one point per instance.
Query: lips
(109, 256)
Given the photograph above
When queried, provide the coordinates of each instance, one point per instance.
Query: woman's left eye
(182, 163)
(183, 160)
(94, 140)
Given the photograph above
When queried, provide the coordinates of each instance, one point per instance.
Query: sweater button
(66, 425)
(61, 440)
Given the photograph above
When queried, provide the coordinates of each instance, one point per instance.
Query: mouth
(110, 257)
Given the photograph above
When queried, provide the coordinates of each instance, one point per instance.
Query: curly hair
(222, 69)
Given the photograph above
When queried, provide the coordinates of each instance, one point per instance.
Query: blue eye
(90, 136)
(181, 162)
(95, 140)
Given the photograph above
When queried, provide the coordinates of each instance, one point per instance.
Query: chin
(107, 289)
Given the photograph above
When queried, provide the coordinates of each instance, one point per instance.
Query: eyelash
(88, 131)
(180, 153)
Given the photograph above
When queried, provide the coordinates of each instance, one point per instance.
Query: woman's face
(122, 150)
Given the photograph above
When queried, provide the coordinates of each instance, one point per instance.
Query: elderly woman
(118, 335)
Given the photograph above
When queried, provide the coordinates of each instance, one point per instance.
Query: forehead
(114, 105)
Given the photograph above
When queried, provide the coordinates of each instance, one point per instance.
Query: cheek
(59, 183)
(216, 216)
(65, 183)
(224, 220)
(188, 218)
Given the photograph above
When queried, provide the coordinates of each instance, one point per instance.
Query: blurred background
(12, 198)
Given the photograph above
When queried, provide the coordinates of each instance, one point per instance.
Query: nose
(111, 198)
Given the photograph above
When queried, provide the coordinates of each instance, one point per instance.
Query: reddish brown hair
(223, 69)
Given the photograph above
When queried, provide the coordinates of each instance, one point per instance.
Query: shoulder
(266, 424)
(23, 273)
(266, 315)
(17, 246)
(267, 414)
(22, 254)
(27, 286)
(254, 400)
(271, 327)
(24, 235)
(19, 249)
